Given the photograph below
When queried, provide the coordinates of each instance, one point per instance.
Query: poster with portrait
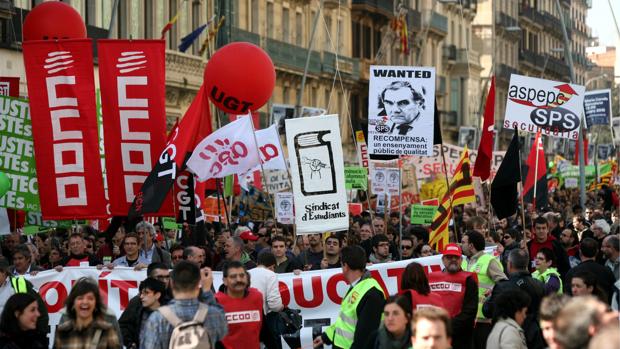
(401, 103)
(317, 174)
(284, 208)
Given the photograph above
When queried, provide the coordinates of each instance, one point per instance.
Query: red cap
(247, 235)
(159, 237)
(453, 250)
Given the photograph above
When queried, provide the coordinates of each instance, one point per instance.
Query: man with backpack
(185, 321)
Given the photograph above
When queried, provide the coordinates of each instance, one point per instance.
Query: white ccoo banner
(317, 171)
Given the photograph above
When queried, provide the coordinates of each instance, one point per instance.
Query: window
(196, 22)
(286, 37)
(149, 20)
(134, 19)
(340, 35)
(91, 12)
(299, 29)
(270, 20)
(366, 41)
(255, 17)
(172, 33)
(454, 96)
(357, 49)
(328, 31)
(314, 97)
(122, 18)
(285, 94)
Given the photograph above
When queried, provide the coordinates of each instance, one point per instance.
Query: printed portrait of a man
(402, 105)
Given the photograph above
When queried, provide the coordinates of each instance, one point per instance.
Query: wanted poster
(552, 107)
(317, 173)
(401, 104)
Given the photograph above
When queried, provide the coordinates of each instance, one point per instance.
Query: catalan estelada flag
(461, 192)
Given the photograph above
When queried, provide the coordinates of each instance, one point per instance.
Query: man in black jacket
(136, 313)
(519, 277)
(604, 276)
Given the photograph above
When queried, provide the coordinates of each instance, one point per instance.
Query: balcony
(508, 25)
(467, 58)
(504, 71)
(291, 56)
(438, 24)
(580, 59)
(384, 6)
(558, 67)
(414, 20)
(448, 52)
(553, 24)
(532, 58)
(237, 34)
(347, 66)
(334, 3)
(532, 15)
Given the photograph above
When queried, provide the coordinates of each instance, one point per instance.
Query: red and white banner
(317, 294)
(229, 150)
(133, 87)
(61, 88)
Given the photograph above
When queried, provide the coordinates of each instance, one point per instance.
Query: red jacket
(244, 317)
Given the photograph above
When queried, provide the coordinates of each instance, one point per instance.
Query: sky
(602, 23)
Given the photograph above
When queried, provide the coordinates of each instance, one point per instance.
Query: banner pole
(262, 169)
(521, 184)
(400, 210)
(538, 141)
(445, 172)
(225, 209)
(290, 184)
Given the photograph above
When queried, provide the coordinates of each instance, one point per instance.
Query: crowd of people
(551, 282)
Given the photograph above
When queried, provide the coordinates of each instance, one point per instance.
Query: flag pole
(290, 184)
(262, 169)
(521, 183)
(445, 172)
(400, 209)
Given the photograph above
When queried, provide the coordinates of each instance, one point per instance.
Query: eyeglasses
(405, 247)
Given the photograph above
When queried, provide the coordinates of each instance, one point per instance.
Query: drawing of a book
(315, 162)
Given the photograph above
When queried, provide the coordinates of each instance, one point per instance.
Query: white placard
(317, 173)
(401, 106)
(284, 208)
(554, 108)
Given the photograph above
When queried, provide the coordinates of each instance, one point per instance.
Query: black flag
(504, 195)
(437, 139)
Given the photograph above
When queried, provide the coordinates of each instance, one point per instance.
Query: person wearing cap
(459, 290)
(489, 271)
(249, 243)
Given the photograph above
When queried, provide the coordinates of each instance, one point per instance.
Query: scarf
(387, 341)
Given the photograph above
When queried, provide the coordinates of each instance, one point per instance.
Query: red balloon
(239, 78)
(52, 20)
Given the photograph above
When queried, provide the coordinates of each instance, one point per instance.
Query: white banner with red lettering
(133, 96)
(229, 150)
(61, 88)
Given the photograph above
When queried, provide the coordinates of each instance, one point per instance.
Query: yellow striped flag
(461, 192)
(169, 25)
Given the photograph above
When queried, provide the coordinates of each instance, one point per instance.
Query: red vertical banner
(9, 86)
(133, 87)
(61, 89)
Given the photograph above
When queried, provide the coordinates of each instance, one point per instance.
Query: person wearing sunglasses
(510, 241)
(406, 246)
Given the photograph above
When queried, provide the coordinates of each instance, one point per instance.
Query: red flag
(193, 127)
(482, 167)
(133, 97)
(169, 25)
(61, 87)
(585, 150)
(536, 167)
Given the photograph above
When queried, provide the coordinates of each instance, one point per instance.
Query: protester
(234, 251)
(359, 315)
(265, 280)
(546, 273)
(604, 277)
(284, 264)
(460, 298)
(407, 246)
(581, 319)
(311, 257)
(550, 307)
(611, 250)
(195, 255)
(510, 241)
(176, 254)
(86, 324)
(584, 283)
(18, 324)
(414, 284)
(395, 329)
(489, 271)
(23, 262)
(510, 312)
(134, 317)
(520, 278)
(431, 329)
(381, 250)
(187, 281)
(152, 253)
(542, 238)
(237, 298)
(333, 245)
(132, 257)
(77, 254)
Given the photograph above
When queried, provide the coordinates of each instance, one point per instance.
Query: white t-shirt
(266, 282)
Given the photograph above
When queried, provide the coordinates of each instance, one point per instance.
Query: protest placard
(317, 173)
(17, 152)
(356, 178)
(401, 106)
(422, 214)
(597, 107)
(554, 108)
(284, 208)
